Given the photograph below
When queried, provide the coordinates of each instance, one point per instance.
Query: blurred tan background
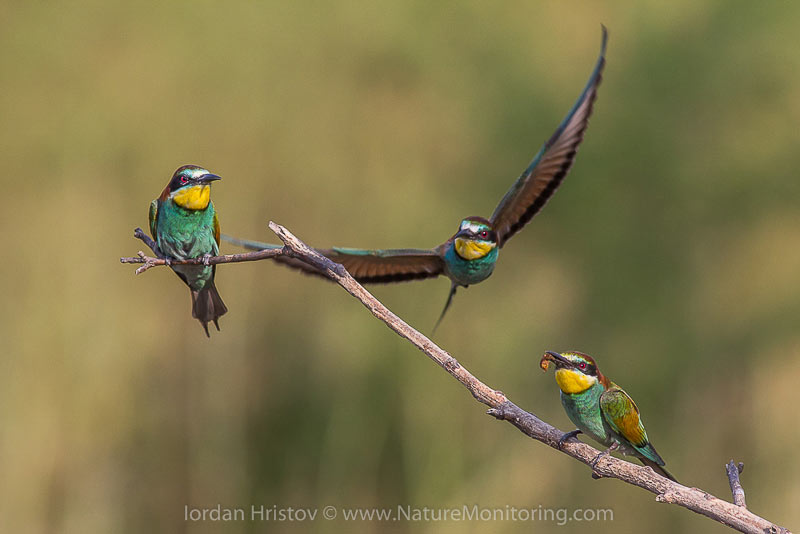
(670, 253)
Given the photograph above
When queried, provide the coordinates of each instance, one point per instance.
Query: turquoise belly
(468, 272)
(583, 409)
(185, 234)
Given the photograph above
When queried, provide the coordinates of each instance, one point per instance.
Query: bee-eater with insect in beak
(601, 409)
(185, 225)
(469, 256)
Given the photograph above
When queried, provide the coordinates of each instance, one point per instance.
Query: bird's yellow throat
(472, 250)
(572, 382)
(195, 197)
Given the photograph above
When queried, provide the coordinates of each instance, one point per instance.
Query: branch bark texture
(736, 516)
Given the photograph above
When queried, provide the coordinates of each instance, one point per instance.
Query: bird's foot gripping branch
(158, 259)
(735, 516)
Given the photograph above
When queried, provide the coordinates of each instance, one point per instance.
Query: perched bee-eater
(184, 225)
(601, 409)
(469, 256)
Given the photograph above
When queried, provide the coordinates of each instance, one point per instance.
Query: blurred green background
(669, 253)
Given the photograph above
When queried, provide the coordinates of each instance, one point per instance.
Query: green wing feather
(366, 266)
(216, 227)
(153, 217)
(622, 415)
(540, 180)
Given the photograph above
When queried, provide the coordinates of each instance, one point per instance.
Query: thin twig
(149, 262)
(147, 240)
(666, 491)
(734, 470)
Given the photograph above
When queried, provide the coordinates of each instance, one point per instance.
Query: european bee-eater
(601, 409)
(469, 256)
(185, 225)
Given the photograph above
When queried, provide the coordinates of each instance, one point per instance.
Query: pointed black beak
(466, 232)
(557, 359)
(206, 178)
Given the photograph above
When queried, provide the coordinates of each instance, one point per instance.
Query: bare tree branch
(737, 490)
(149, 262)
(736, 517)
(666, 491)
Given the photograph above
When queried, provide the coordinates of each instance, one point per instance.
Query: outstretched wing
(386, 266)
(547, 170)
(366, 266)
(153, 217)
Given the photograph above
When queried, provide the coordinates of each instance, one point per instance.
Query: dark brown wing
(386, 266)
(547, 170)
(366, 266)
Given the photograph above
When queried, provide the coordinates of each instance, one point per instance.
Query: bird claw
(567, 435)
(207, 259)
(599, 457)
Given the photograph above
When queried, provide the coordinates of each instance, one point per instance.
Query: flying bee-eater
(601, 409)
(185, 225)
(469, 256)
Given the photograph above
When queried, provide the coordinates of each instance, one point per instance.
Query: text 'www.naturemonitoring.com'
(473, 512)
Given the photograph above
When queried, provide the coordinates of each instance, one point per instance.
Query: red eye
(184, 179)
(484, 234)
(582, 365)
